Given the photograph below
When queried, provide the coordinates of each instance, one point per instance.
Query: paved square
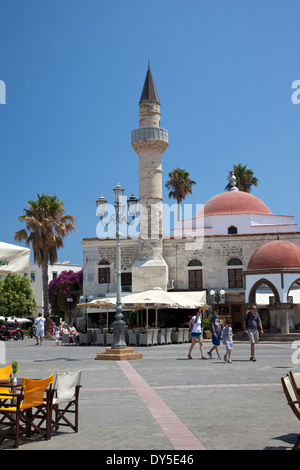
(167, 402)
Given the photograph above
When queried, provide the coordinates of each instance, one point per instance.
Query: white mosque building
(234, 252)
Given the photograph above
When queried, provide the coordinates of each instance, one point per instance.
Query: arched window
(195, 262)
(235, 275)
(234, 262)
(195, 274)
(232, 229)
(104, 272)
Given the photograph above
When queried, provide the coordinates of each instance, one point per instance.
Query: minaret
(150, 141)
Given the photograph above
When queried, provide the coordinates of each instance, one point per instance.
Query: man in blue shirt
(215, 329)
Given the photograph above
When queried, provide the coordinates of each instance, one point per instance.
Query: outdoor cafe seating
(291, 388)
(27, 409)
(65, 401)
(161, 336)
(32, 407)
(136, 336)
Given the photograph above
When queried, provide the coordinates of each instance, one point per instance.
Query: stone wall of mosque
(101, 254)
(214, 254)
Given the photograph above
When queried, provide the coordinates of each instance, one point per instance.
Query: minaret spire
(149, 92)
(150, 141)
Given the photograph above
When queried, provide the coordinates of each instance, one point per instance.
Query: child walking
(57, 334)
(227, 340)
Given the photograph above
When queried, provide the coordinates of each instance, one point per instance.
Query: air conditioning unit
(171, 284)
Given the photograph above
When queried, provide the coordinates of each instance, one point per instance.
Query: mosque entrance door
(237, 316)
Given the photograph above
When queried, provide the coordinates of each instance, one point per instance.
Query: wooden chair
(295, 382)
(65, 401)
(28, 410)
(292, 402)
(5, 373)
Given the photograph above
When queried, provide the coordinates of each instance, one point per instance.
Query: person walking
(40, 329)
(215, 329)
(250, 324)
(227, 340)
(195, 327)
(57, 334)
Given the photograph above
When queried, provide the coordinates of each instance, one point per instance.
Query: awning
(152, 299)
(14, 258)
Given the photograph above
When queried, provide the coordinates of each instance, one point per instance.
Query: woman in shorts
(195, 327)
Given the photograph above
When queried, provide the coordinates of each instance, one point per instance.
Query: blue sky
(74, 72)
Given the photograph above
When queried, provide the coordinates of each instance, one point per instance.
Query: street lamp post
(70, 301)
(118, 324)
(86, 299)
(217, 295)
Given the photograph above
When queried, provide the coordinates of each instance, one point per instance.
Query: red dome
(234, 202)
(275, 255)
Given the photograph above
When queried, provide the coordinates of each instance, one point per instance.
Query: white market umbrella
(14, 258)
(107, 305)
(154, 298)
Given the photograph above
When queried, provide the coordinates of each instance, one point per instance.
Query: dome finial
(233, 182)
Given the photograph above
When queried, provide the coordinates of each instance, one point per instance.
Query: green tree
(16, 294)
(46, 227)
(179, 186)
(245, 178)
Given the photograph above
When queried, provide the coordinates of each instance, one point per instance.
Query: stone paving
(165, 402)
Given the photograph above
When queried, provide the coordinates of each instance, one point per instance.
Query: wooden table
(10, 384)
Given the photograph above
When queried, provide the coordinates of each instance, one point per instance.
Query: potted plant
(14, 368)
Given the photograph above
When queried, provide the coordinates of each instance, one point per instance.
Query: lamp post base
(119, 355)
(119, 335)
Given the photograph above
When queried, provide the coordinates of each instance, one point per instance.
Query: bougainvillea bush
(67, 284)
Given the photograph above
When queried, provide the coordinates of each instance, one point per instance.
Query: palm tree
(46, 227)
(244, 178)
(179, 185)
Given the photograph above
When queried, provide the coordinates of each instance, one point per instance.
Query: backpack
(248, 316)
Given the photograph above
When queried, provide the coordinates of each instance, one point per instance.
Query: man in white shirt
(40, 329)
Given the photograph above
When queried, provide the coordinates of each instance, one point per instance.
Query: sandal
(189, 357)
(204, 357)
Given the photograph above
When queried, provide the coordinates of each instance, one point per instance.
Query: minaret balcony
(149, 133)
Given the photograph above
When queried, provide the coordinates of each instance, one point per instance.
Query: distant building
(35, 274)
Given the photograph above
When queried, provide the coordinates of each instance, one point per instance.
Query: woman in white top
(195, 327)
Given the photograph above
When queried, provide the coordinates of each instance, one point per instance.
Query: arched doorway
(293, 298)
(263, 294)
